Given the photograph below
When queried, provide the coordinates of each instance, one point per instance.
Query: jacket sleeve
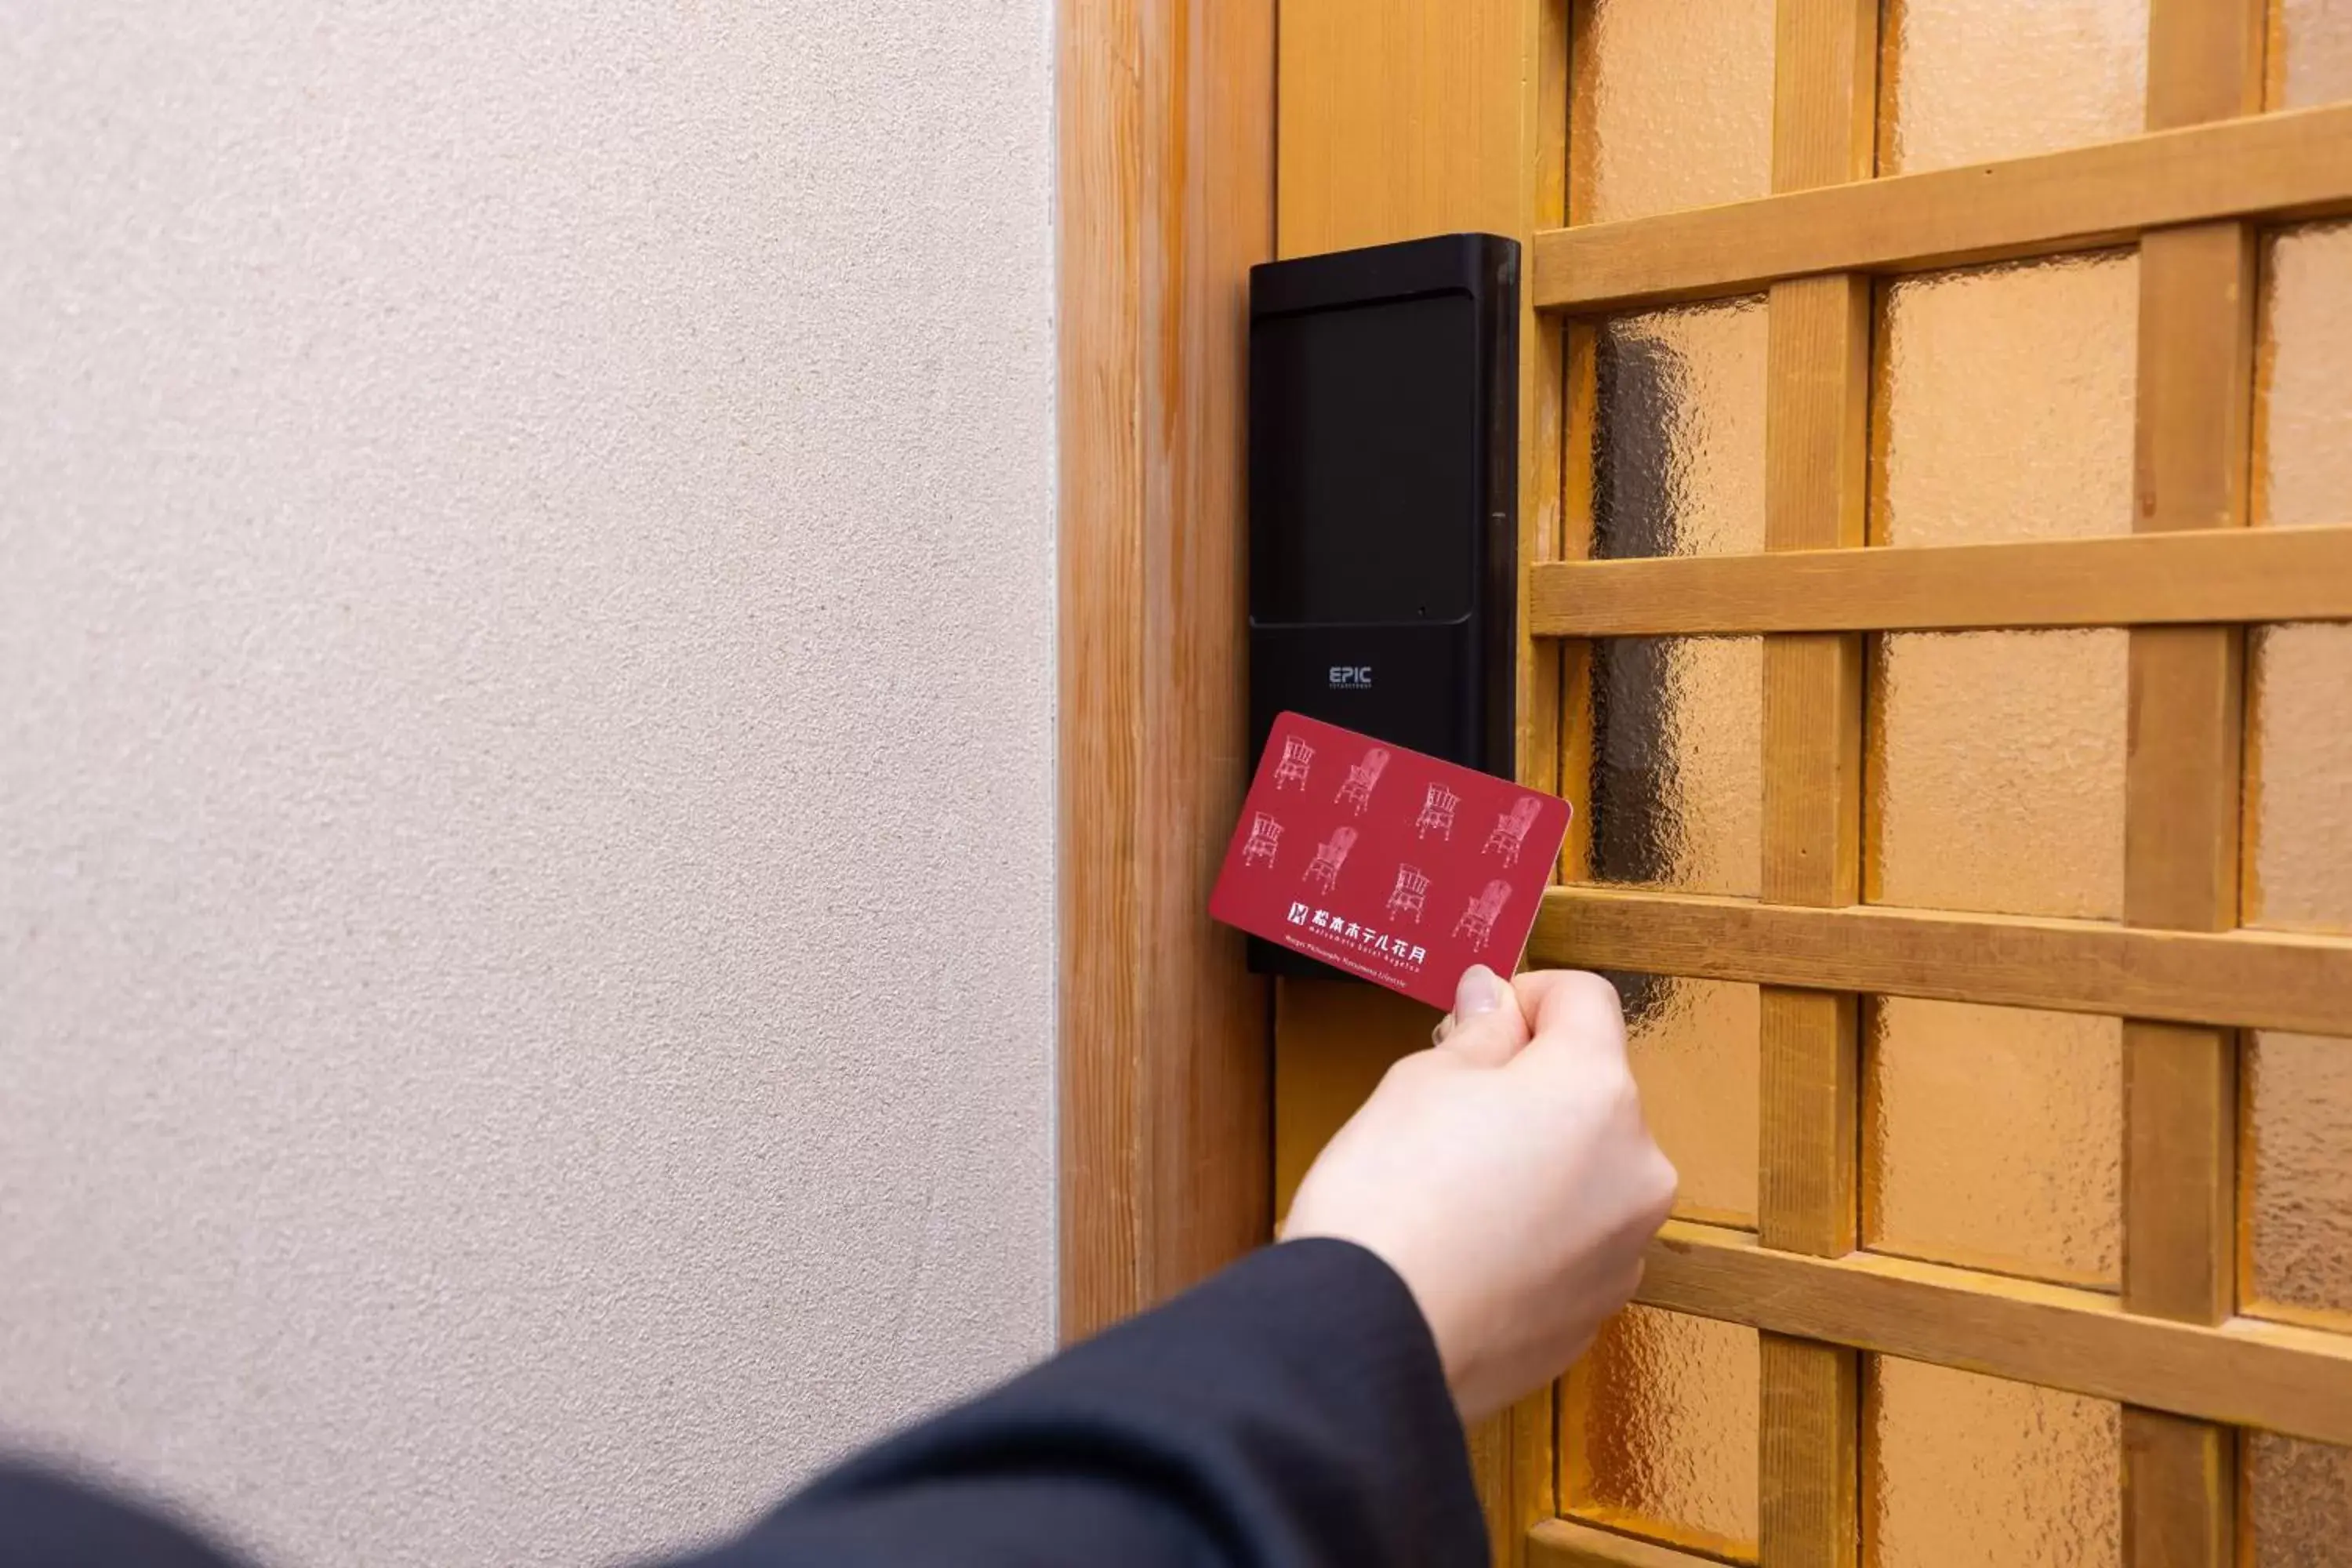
(1290, 1413)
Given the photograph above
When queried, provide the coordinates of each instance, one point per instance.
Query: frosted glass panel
(2004, 402)
(2310, 55)
(1996, 771)
(1678, 766)
(2298, 860)
(2298, 1502)
(1668, 1444)
(1670, 107)
(1679, 431)
(1963, 1471)
(2297, 1174)
(1992, 1137)
(2303, 399)
(1694, 1046)
(1965, 80)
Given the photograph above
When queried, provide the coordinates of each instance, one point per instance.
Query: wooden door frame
(1165, 187)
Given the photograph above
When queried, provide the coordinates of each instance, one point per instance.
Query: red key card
(1385, 862)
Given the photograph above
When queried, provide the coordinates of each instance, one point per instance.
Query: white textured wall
(526, 666)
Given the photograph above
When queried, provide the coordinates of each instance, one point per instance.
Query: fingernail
(1479, 991)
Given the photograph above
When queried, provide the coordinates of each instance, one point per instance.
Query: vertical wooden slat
(1166, 173)
(1816, 429)
(2195, 405)
(1531, 1494)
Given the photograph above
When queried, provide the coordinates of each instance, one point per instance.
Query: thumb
(1486, 1027)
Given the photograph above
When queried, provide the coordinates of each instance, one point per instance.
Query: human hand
(1506, 1174)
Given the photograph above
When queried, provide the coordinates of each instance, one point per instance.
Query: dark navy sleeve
(1290, 1413)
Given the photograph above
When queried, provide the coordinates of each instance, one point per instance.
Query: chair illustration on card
(1362, 779)
(1329, 856)
(1436, 816)
(1511, 830)
(1297, 760)
(1477, 921)
(1265, 839)
(1411, 891)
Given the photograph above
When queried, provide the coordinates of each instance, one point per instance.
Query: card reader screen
(1364, 477)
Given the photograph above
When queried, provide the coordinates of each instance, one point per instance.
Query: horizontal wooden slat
(2148, 579)
(2288, 164)
(1564, 1543)
(2263, 980)
(2243, 1372)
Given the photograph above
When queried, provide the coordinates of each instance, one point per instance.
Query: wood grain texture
(1562, 1543)
(2180, 1480)
(1824, 92)
(1165, 170)
(1543, 411)
(1808, 1092)
(2180, 1167)
(1511, 1463)
(2195, 405)
(2204, 60)
(2192, 463)
(1403, 118)
(1809, 1503)
(2243, 1372)
(2248, 979)
(1816, 413)
(2146, 579)
(1816, 497)
(1533, 1493)
(1582, 413)
(2297, 164)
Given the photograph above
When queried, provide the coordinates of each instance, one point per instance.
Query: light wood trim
(2183, 777)
(1816, 497)
(2290, 164)
(1824, 92)
(2193, 441)
(1165, 171)
(2250, 979)
(2148, 579)
(1532, 1467)
(1563, 1544)
(2204, 60)
(2243, 1373)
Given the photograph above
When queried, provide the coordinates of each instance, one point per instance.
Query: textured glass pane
(1695, 1051)
(1677, 763)
(2298, 860)
(1669, 1442)
(2310, 56)
(2298, 1502)
(1963, 1471)
(2004, 403)
(2303, 398)
(2297, 1167)
(1993, 1137)
(1965, 80)
(1997, 772)
(1678, 432)
(1670, 107)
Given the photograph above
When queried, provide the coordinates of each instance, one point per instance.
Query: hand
(1506, 1175)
